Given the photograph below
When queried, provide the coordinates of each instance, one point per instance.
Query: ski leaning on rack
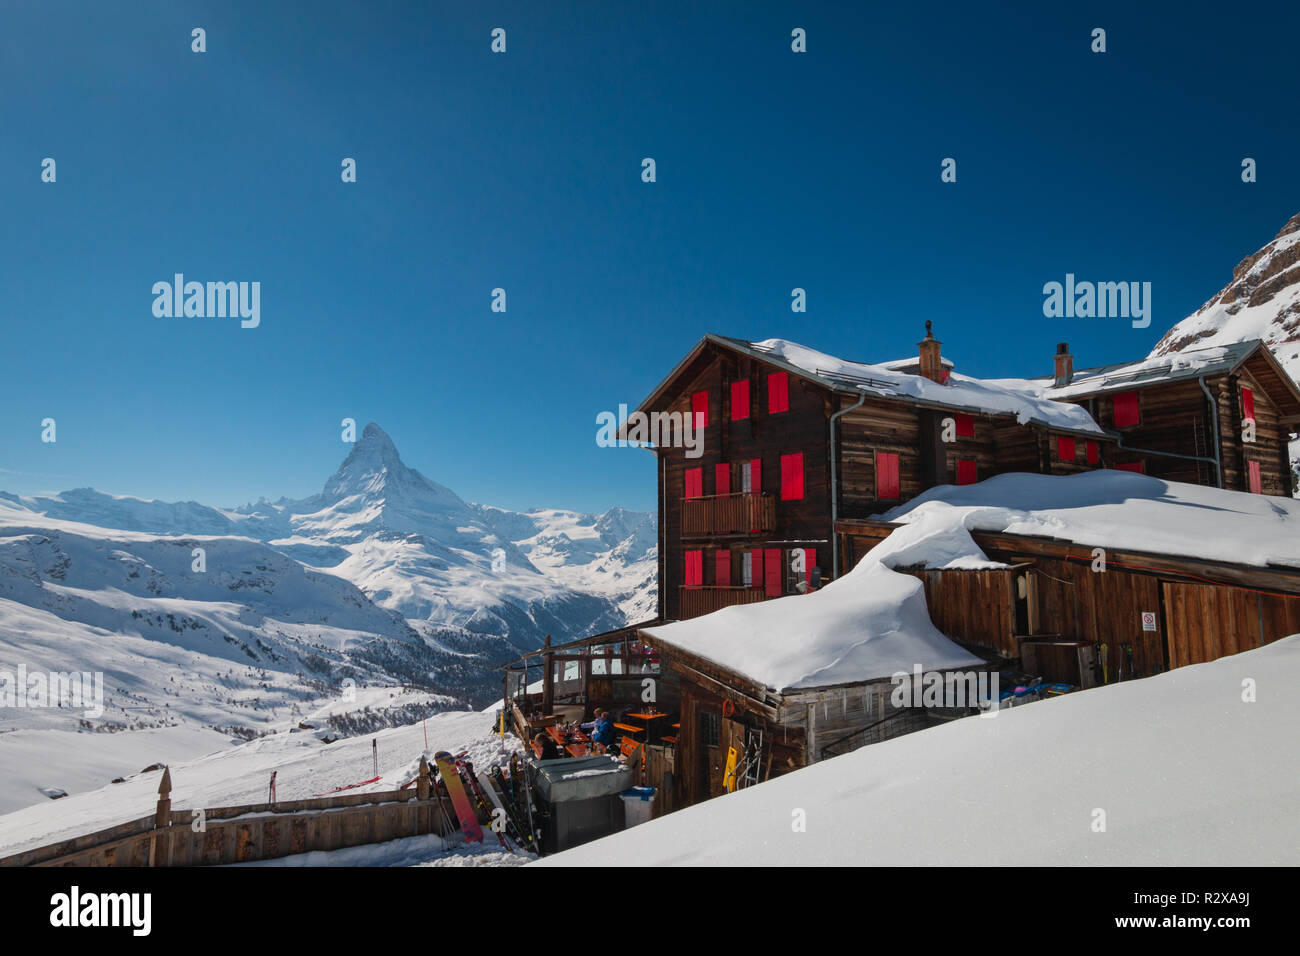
(480, 798)
(517, 819)
(459, 799)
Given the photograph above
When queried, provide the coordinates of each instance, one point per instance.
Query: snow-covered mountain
(1261, 302)
(478, 584)
(324, 608)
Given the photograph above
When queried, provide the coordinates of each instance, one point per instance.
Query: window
(709, 728)
(887, 476)
(1064, 448)
(1134, 466)
(700, 410)
(722, 479)
(966, 471)
(751, 477)
(694, 482)
(778, 393)
(747, 568)
(722, 569)
(772, 571)
(965, 426)
(1127, 414)
(694, 569)
(740, 400)
(1094, 453)
(792, 477)
(1247, 405)
(1256, 483)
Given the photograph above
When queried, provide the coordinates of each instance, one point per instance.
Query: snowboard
(459, 799)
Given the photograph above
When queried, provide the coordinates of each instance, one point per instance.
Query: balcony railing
(705, 600)
(739, 513)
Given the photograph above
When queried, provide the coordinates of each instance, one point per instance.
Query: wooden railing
(703, 600)
(242, 834)
(739, 513)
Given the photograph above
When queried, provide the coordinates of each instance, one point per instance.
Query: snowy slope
(237, 775)
(1185, 772)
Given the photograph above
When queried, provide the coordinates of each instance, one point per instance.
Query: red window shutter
(772, 572)
(1248, 404)
(943, 375)
(965, 426)
(1126, 409)
(1094, 453)
(1134, 466)
(792, 477)
(887, 476)
(700, 410)
(756, 566)
(965, 471)
(740, 399)
(809, 559)
(694, 568)
(778, 393)
(1256, 483)
(722, 479)
(1065, 448)
(694, 482)
(722, 575)
(755, 476)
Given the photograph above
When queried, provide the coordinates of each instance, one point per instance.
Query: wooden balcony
(704, 600)
(735, 514)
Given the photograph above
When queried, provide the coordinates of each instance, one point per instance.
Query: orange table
(647, 718)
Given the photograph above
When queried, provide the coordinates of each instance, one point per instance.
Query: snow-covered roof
(1193, 363)
(912, 362)
(1023, 399)
(868, 625)
(1187, 772)
(1108, 509)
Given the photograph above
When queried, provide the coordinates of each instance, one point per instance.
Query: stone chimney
(931, 363)
(1064, 365)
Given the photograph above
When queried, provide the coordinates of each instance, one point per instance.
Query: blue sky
(522, 171)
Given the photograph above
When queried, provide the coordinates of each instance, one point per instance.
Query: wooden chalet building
(1183, 417)
(795, 440)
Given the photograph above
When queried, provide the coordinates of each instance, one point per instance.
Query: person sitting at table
(545, 747)
(603, 734)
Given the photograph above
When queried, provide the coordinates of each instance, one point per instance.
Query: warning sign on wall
(1148, 620)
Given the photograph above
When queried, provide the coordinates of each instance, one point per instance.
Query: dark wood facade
(1050, 610)
(1183, 434)
(886, 451)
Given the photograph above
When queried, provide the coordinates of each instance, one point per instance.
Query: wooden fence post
(160, 843)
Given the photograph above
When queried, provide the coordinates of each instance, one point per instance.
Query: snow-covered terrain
(385, 579)
(484, 580)
(231, 776)
(1197, 766)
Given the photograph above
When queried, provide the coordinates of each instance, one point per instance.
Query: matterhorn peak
(375, 469)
